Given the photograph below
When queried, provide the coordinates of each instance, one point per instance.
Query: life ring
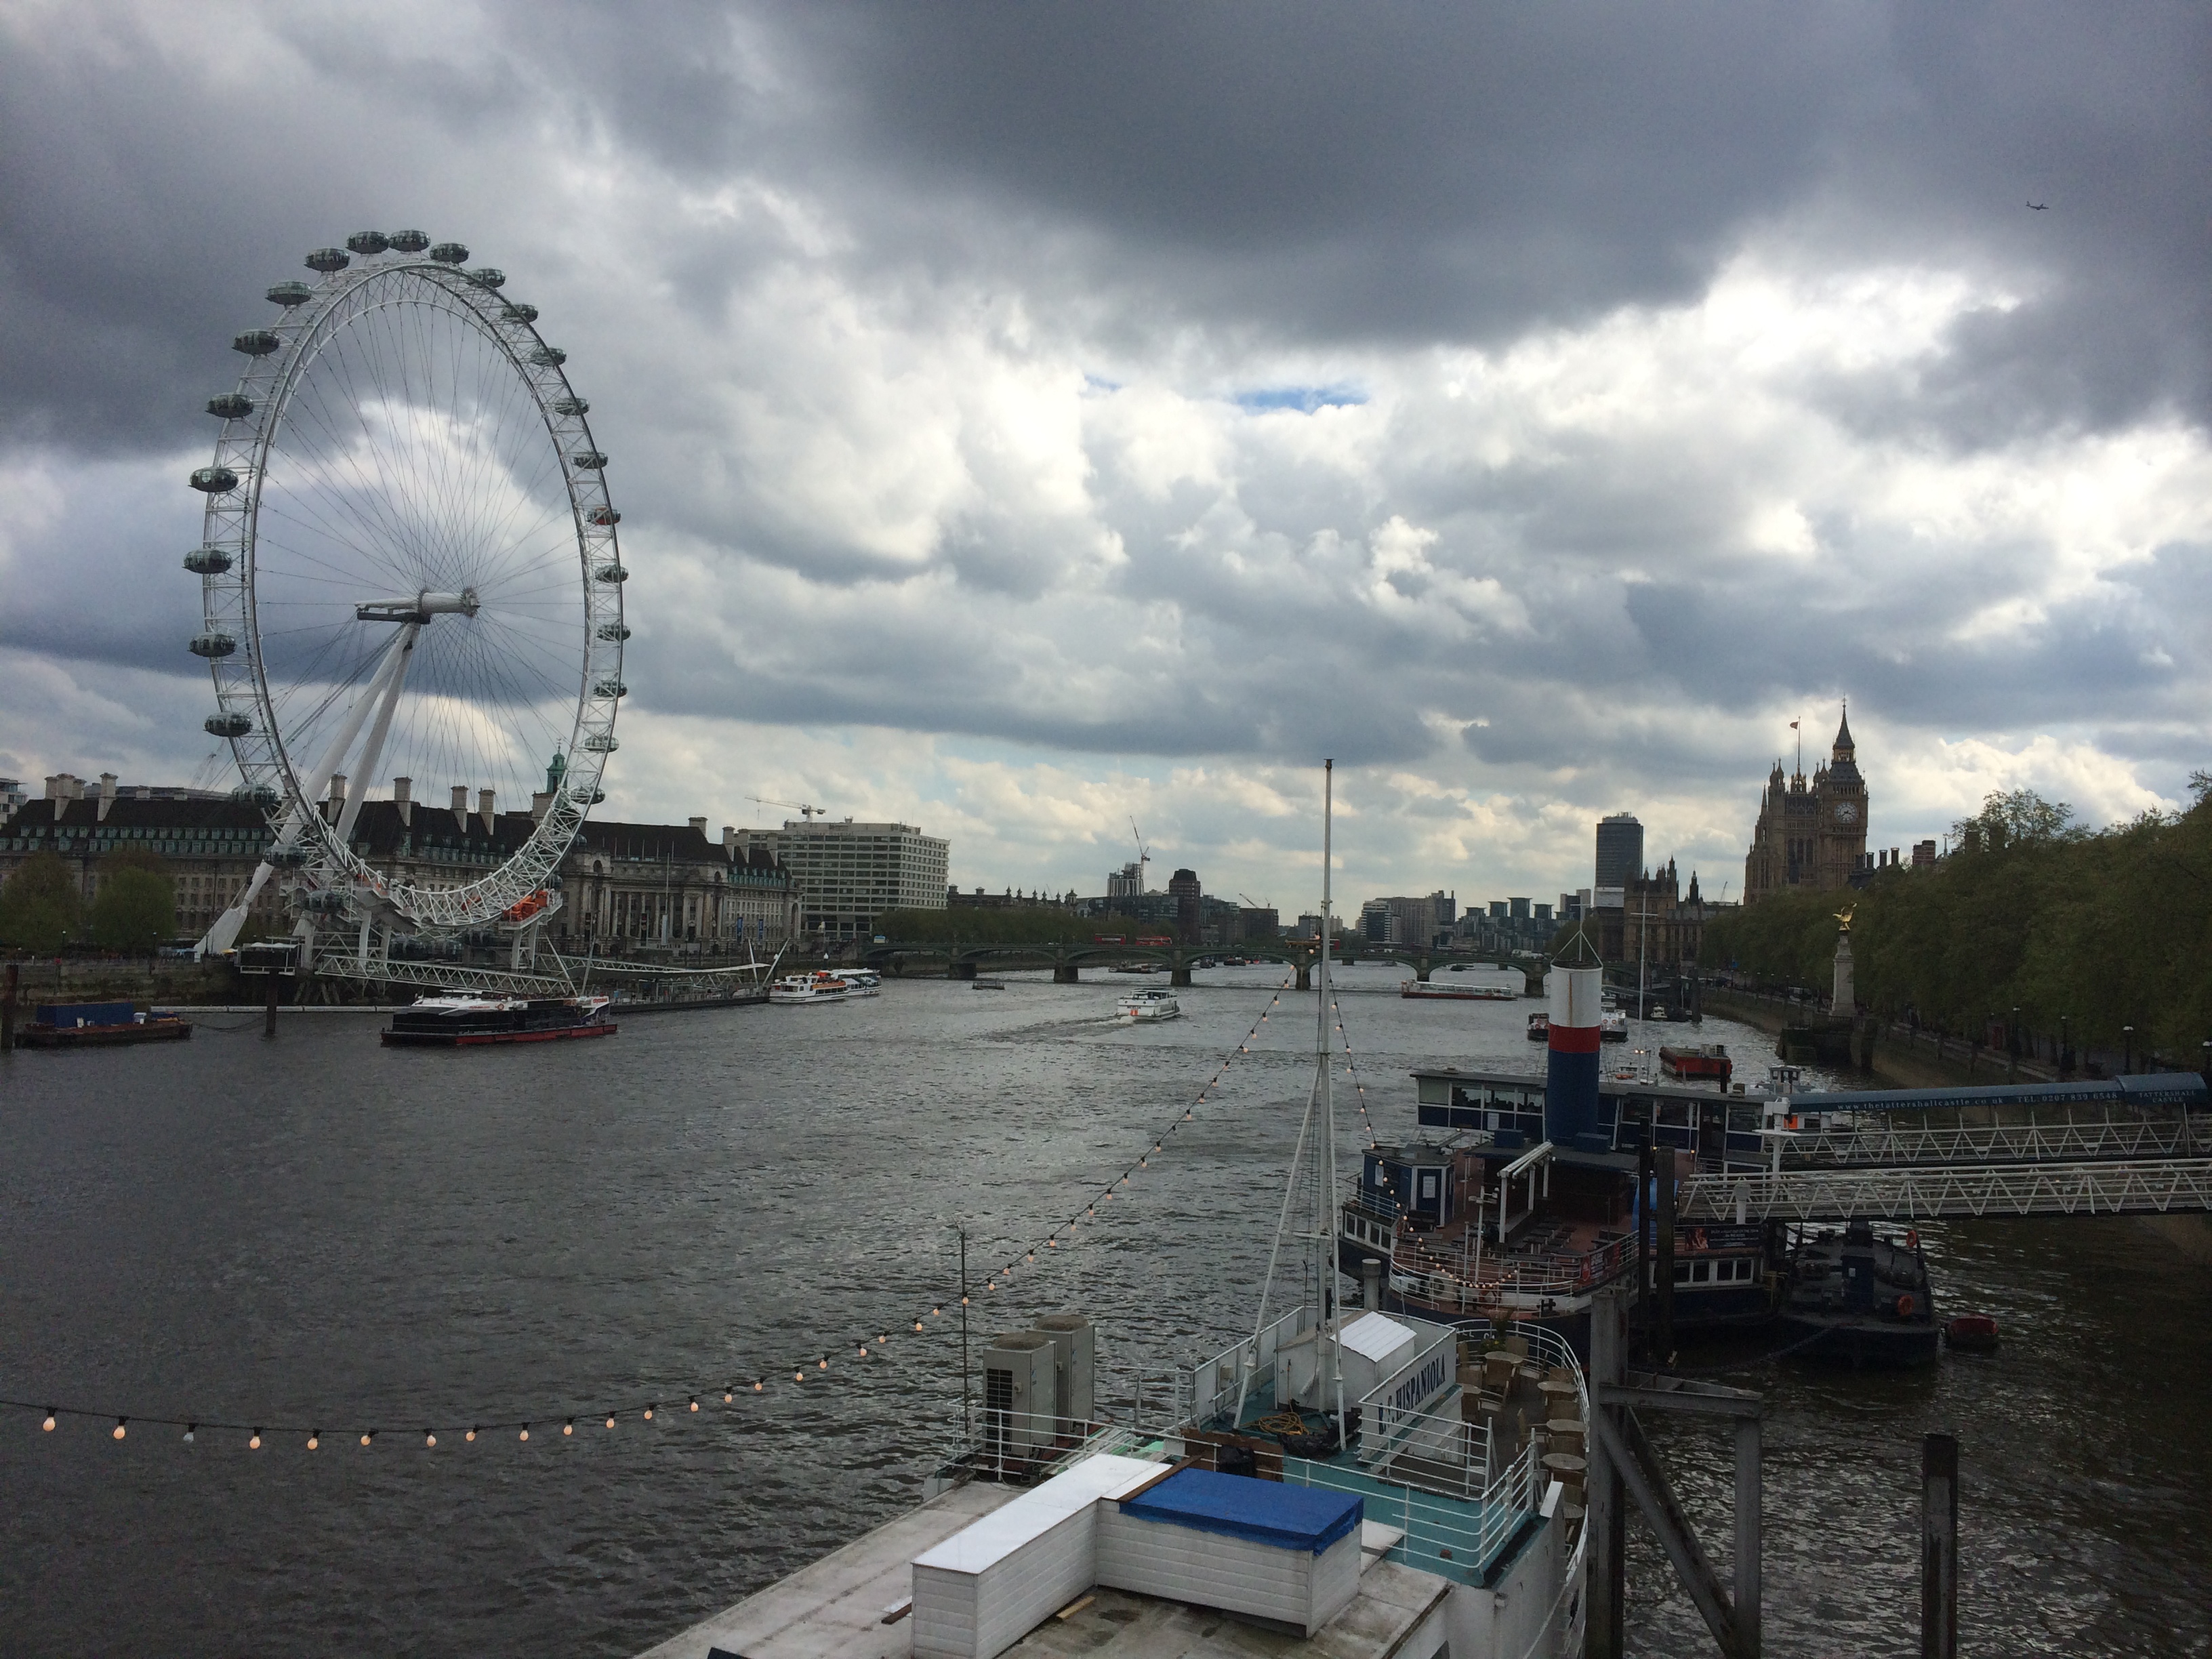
(1906, 1306)
(1912, 1238)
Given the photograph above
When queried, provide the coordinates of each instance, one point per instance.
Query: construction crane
(1251, 903)
(810, 814)
(1143, 857)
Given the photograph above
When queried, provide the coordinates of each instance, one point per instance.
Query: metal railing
(1392, 1409)
(1442, 1533)
(1206, 1390)
(1453, 1281)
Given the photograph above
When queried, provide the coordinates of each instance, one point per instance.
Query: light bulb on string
(648, 1413)
(429, 1439)
(760, 1384)
(884, 1338)
(569, 1428)
(695, 1402)
(253, 1440)
(313, 1440)
(367, 1438)
(118, 1427)
(190, 1430)
(49, 1423)
(823, 1365)
(798, 1376)
(917, 1324)
(729, 1394)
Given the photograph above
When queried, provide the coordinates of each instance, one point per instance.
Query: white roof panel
(984, 1542)
(1373, 1337)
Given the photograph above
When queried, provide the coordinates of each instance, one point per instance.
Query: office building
(1619, 850)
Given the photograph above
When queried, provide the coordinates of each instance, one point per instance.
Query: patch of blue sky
(1303, 398)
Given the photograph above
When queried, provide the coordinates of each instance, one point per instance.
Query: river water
(320, 1231)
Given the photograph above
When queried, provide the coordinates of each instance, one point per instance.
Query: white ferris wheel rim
(255, 420)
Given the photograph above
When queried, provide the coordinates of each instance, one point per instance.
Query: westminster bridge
(1067, 959)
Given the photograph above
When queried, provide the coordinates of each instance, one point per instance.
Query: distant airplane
(2039, 207)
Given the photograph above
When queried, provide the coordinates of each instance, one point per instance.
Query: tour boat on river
(1148, 1006)
(859, 982)
(462, 1019)
(811, 990)
(1422, 990)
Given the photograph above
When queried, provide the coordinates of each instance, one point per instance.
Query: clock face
(1845, 812)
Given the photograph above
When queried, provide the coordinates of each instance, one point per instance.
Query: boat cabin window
(1681, 1273)
(1701, 1273)
(1675, 1114)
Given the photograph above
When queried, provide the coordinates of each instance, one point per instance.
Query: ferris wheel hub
(421, 608)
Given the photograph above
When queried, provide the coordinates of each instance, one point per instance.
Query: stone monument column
(1843, 1001)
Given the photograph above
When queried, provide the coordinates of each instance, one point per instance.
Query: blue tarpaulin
(1266, 1511)
(70, 1014)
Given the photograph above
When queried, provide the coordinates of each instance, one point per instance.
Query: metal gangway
(1939, 1191)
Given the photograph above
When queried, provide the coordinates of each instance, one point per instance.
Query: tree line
(2104, 929)
(43, 911)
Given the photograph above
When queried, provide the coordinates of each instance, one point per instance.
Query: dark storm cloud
(1394, 172)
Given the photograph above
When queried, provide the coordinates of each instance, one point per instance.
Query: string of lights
(1352, 1066)
(683, 1402)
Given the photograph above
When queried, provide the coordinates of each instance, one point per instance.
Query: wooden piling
(7, 1007)
(1939, 1546)
(1605, 1624)
(269, 1016)
(1663, 1346)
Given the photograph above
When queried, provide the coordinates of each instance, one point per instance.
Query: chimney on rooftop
(729, 840)
(487, 808)
(460, 805)
(699, 824)
(107, 794)
(144, 792)
(403, 797)
(540, 804)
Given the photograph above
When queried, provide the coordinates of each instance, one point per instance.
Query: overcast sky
(1027, 417)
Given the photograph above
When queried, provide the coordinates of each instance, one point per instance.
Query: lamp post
(2065, 1054)
(2128, 1051)
(2207, 1067)
(2012, 1048)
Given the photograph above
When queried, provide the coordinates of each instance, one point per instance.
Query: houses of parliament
(1810, 835)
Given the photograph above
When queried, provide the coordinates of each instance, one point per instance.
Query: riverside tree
(2107, 929)
(40, 909)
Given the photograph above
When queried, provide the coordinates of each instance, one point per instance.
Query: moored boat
(1702, 1062)
(98, 1025)
(461, 1020)
(1539, 1027)
(1858, 1300)
(859, 982)
(1613, 1026)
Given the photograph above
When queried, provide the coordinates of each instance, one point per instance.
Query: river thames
(321, 1232)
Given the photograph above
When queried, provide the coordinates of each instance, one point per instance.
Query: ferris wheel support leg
(227, 926)
(394, 676)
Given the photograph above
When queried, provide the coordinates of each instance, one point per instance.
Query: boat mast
(1325, 1223)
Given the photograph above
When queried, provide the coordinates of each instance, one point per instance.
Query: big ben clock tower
(1811, 836)
(1840, 795)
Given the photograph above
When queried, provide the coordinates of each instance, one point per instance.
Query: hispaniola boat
(1341, 1483)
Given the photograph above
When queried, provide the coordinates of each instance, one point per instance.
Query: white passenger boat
(1149, 1005)
(859, 982)
(795, 989)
